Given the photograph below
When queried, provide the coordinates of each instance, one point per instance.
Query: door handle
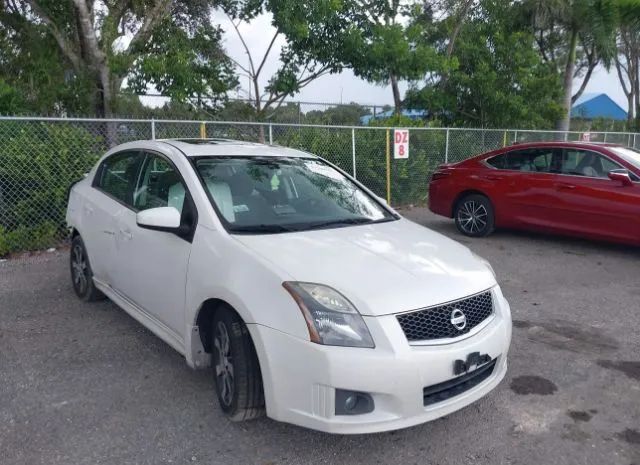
(88, 210)
(493, 177)
(562, 185)
(126, 234)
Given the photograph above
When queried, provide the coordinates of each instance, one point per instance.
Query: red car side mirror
(622, 176)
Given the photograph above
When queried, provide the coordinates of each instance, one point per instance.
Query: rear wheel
(236, 369)
(474, 216)
(81, 274)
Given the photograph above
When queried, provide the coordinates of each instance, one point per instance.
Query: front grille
(435, 322)
(456, 386)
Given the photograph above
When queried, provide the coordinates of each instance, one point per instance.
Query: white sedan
(309, 296)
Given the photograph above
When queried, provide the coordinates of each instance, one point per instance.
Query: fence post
(515, 141)
(446, 147)
(203, 130)
(153, 129)
(388, 168)
(634, 140)
(605, 137)
(270, 134)
(353, 150)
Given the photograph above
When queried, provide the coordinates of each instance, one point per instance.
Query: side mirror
(159, 219)
(622, 176)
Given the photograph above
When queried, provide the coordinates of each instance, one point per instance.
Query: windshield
(627, 154)
(280, 194)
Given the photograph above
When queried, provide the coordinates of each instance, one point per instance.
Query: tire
(236, 370)
(81, 274)
(474, 216)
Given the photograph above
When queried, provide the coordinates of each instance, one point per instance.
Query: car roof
(533, 145)
(562, 143)
(230, 147)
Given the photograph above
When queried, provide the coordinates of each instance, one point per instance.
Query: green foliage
(394, 50)
(500, 80)
(34, 77)
(347, 115)
(11, 101)
(40, 161)
(185, 64)
(598, 124)
(629, 11)
(297, 65)
(371, 40)
(63, 68)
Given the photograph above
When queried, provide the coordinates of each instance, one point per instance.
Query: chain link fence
(41, 157)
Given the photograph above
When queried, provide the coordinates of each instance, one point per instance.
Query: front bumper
(300, 377)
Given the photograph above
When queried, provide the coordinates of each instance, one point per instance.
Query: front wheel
(474, 216)
(236, 369)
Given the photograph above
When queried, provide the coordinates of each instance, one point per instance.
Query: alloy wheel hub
(224, 364)
(472, 217)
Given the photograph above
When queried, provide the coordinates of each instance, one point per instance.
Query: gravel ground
(86, 384)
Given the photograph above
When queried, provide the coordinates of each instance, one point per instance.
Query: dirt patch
(531, 384)
(632, 436)
(567, 335)
(579, 415)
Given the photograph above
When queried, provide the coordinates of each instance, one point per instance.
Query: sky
(345, 87)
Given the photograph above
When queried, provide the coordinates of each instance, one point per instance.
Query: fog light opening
(353, 402)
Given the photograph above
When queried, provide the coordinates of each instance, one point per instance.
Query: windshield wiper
(262, 228)
(339, 222)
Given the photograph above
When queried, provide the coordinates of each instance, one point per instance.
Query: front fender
(222, 268)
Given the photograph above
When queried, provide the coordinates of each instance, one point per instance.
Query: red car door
(594, 205)
(524, 186)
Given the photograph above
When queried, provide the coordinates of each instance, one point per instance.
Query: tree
(367, 36)
(297, 68)
(627, 67)
(92, 36)
(395, 51)
(628, 57)
(345, 115)
(575, 36)
(34, 76)
(499, 81)
(629, 11)
(187, 63)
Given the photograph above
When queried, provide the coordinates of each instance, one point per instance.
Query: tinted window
(587, 163)
(529, 160)
(499, 161)
(118, 175)
(159, 186)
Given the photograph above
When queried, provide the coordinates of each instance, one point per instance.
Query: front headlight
(332, 320)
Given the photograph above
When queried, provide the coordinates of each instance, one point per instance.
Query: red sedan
(580, 189)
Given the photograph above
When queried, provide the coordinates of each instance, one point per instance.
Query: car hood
(381, 268)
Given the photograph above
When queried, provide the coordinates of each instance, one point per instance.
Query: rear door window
(118, 175)
(543, 160)
(499, 161)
